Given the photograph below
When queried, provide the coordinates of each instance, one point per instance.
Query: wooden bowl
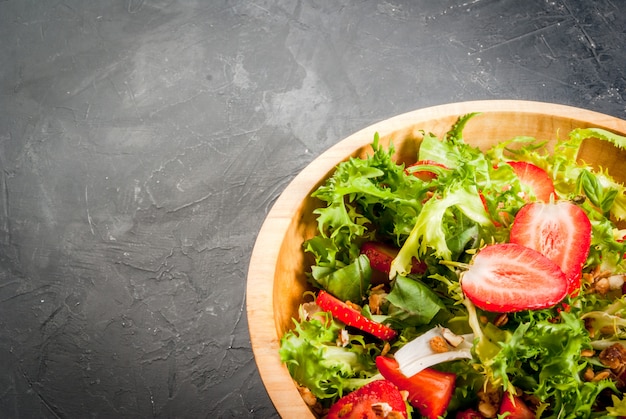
(276, 275)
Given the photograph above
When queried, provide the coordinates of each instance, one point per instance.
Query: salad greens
(470, 200)
(316, 361)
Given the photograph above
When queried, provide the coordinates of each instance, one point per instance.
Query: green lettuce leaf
(315, 360)
(543, 358)
(348, 283)
(442, 221)
(412, 303)
(619, 407)
(365, 198)
(563, 166)
(432, 226)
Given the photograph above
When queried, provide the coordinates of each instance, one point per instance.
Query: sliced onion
(418, 354)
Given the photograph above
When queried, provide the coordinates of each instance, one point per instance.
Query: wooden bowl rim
(262, 268)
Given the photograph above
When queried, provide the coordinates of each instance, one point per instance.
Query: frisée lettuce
(553, 357)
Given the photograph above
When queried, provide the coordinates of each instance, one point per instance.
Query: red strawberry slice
(508, 277)
(430, 391)
(348, 315)
(535, 178)
(377, 399)
(381, 255)
(560, 231)
(516, 408)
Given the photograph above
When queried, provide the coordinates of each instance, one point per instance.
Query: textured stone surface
(142, 144)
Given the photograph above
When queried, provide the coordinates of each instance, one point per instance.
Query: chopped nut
(487, 409)
(614, 357)
(587, 353)
(382, 409)
(343, 338)
(309, 310)
(353, 305)
(589, 327)
(439, 345)
(602, 375)
(602, 281)
(588, 374)
(616, 282)
(489, 401)
(386, 349)
(452, 338)
(608, 330)
(375, 300)
(602, 286)
(501, 320)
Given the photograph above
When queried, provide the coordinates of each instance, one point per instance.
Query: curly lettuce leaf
(470, 202)
(365, 198)
(607, 321)
(434, 224)
(487, 339)
(452, 151)
(607, 247)
(619, 407)
(543, 358)
(315, 360)
(572, 177)
(594, 190)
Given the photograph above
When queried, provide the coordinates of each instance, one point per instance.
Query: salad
(470, 284)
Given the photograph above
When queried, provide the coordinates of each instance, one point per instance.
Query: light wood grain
(276, 276)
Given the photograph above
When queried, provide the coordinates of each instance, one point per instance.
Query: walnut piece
(439, 345)
(614, 357)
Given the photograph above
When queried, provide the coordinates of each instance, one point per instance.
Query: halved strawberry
(429, 390)
(508, 277)
(381, 255)
(515, 407)
(560, 231)
(535, 178)
(377, 399)
(421, 169)
(348, 315)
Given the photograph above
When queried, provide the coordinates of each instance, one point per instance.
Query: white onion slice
(418, 354)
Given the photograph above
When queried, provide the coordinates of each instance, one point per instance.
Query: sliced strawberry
(429, 390)
(508, 277)
(561, 231)
(535, 178)
(348, 315)
(516, 408)
(381, 255)
(374, 400)
(421, 170)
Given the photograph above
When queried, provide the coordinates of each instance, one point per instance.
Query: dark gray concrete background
(142, 143)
